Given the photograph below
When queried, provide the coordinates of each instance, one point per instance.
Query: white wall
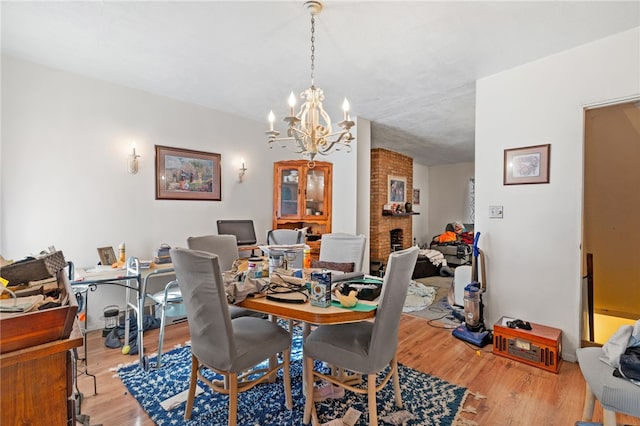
(533, 254)
(448, 195)
(64, 180)
(420, 223)
(363, 222)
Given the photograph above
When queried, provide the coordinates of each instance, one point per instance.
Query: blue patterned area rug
(431, 400)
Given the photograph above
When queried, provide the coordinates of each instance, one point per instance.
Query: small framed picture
(526, 165)
(107, 255)
(184, 174)
(397, 189)
(416, 196)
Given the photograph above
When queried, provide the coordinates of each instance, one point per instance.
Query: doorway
(611, 240)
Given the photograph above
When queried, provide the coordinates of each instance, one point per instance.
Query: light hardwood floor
(516, 394)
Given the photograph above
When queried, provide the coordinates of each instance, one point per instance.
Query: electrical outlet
(495, 212)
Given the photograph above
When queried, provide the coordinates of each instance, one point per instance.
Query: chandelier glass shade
(309, 131)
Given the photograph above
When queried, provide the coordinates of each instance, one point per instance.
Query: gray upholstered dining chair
(287, 237)
(284, 237)
(616, 395)
(343, 248)
(229, 347)
(364, 347)
(225, 246)
(170, 300)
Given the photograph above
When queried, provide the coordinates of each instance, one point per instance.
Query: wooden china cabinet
(302, 199)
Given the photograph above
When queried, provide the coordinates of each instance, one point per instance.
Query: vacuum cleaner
(473, 330)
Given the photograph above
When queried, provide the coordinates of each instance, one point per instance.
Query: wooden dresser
(37, 383)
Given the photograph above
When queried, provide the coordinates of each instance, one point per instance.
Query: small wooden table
(540, 347)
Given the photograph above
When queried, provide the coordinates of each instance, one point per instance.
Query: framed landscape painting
(184, 174)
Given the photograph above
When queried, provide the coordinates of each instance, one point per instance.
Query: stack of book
(162, 254)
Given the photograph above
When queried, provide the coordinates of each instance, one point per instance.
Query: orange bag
(447, 237)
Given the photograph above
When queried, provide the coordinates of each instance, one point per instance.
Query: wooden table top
(306, 312)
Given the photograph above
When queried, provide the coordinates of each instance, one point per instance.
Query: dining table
(312, 315)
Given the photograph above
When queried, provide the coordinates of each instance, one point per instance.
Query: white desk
(131, 278)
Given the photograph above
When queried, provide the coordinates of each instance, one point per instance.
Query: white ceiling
(409, 67)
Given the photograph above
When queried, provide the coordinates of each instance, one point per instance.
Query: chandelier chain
(310, 129)
(313, 49)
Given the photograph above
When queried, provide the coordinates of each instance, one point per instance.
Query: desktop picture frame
(397, 187)
(107, 256)
(185, 174)
(527, 165)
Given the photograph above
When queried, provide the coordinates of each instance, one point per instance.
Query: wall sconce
(132, 162)
(241, 171)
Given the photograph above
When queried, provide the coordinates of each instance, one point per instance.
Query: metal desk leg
(142, 358)
(127, 298)
(133, 274)
(83, 292)
(141, 300)
(133, 270)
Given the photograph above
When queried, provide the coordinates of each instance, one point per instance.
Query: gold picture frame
(185, 174)
(107, 256)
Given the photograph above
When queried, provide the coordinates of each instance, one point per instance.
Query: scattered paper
(505, 320)
(349, 419)
(398, 417)
(173, 402)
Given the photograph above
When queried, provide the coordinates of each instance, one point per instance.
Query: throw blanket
(419, 296)
(620, 351)
(436, 257)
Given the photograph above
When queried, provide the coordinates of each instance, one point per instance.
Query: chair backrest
(243, 230)
(284, 237)
(384, 337)
(200, 282)
(343, 248)
(225, 246)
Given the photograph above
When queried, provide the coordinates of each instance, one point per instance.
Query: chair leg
(609, 417)
(308, 403)
(195, 364)
(161, 336)
(233, 399)
(286, 355)
(589, 401)
(396, 381)
(371, 401)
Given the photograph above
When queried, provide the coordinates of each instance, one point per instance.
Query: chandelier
(310, 129)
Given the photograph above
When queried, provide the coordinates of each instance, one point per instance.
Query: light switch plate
(495, 212)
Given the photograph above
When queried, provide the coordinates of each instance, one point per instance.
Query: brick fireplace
(388, 231)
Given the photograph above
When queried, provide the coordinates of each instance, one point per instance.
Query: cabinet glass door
(289, 192)
(314, 200)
